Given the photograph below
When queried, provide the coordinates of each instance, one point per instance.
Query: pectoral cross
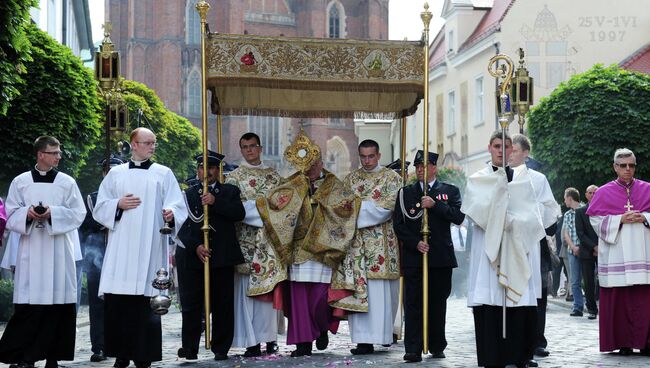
(628, 206)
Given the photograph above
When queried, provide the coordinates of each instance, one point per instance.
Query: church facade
(159, 42)
(560, 39)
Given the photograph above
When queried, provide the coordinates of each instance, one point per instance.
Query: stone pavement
(573, 342)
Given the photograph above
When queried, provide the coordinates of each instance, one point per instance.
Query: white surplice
(508, 220)
(135, 246)
(623, 251)
(45, 263)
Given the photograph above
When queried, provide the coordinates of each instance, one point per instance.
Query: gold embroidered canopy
(305, 77)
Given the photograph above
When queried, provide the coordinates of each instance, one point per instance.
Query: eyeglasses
(625, 166)
(148, 144)
(53, 153)
(251, 146)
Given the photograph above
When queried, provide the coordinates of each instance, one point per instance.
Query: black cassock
(226, 253)
(441, 260)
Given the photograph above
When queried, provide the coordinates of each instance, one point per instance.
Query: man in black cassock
(225, 208)
(443, 203)
(45, 207)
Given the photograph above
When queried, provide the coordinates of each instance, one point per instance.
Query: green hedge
(577, 128)
(6, 300)
(58, 99)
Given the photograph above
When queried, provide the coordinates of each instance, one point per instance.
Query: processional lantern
(107, 74)
(107, 62)
(522, 91)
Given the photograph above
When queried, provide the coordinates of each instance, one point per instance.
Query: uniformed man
(225, 209)
(443, 203)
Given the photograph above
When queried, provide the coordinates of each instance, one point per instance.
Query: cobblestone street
(573, 342)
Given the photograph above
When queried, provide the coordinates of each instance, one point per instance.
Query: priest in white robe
(134, 201)
(45, 207)
(620, 213)
(504, 260)
(549, 210)
(376, 246)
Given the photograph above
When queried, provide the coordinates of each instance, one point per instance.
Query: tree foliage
(58, 99)
(14, 48)
(178, 140)
(577, 128)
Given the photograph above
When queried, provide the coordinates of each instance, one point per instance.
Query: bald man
(134, 201)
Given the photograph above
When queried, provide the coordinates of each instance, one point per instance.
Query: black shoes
(592, 315)
(625, 351)
(272, 347)
(50, 363)
(576, 313)
(531, 363)
(569, 298)
(142, 364)
(363, 349)
(22, 365)
(253, 351)
(437, 354)
(541, 352)
(322, 341)
(220, 356)
(188, 354)
(302, 349)
(121, 363)
(413, 357)
(98, 357)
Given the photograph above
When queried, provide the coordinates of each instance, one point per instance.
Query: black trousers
(96, 312)
(222, 305)
(589, 278)
(38, 332)
(439, 290)
(540, 341)
(518, 346)
(131, 330)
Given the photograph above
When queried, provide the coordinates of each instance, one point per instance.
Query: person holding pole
(224, 210)
(443, 203)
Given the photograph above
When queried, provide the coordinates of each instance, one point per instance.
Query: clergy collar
(261, 166)
(623, 184)
(133, 164)
(43, 176)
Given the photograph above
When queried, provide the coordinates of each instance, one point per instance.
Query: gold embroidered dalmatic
(303, 228)
(262, 264)
(374, 253)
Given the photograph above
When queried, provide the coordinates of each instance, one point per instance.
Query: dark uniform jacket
(226, 210)
(92, 236)
(445, 211)
(586, 234)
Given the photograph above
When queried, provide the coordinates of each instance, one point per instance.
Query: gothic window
(268, 128)
(192, 24)
(194, 94)
(335, 20)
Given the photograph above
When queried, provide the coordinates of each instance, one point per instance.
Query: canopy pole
(426, 19)
(202, 8)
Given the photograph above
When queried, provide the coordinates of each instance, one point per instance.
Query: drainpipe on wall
(496, 87)
(64, 21)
